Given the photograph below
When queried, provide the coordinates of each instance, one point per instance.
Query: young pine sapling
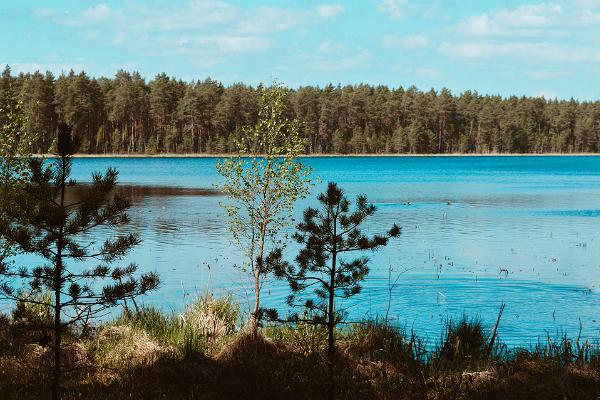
(328, 234)
(44, 222)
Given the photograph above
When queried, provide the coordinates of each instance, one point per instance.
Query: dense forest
(126, 114)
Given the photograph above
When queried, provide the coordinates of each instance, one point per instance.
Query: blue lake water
(476, 232)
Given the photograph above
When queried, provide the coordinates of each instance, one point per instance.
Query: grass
(464, 345)
(198, 330)
(166, 330)
(204, 353)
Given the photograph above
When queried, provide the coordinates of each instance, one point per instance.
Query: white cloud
(329, 10)
(546, 94)
(92, 16)
(55, 67)
(242, 44)
(413, 41)
(97, 14)
(44, 12)
(431, 73)
(332, 56)
(277, 19)
(550, 18)
(543, 37)
(526, 20)
(543, 74)
(524, 50)
(396, 9)
(210, 28)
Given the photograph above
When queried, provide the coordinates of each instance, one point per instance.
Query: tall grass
(167, 330)
(378, 340)
(197, 331)
(560, 352)
(302, 337)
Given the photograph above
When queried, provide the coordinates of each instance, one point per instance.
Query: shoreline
(326, 155)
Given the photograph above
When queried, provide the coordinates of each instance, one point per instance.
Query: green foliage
(127, 114)
(559, 352)
(46, 223)
(15, 140)
(329, 235)
(375, 340)
(263, 182)
(303, 337)
(203, 326)
(146, 356)
(38, 313)
(15, 147)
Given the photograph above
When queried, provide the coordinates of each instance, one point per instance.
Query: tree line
(126, 114)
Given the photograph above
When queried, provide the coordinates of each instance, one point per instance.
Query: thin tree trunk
(57, 331)
(331, 317)
(257, 274)
(57, 304)
(259, 265)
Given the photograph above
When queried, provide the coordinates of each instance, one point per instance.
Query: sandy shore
(221, 155)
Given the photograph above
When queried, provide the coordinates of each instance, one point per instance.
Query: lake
(476, 232)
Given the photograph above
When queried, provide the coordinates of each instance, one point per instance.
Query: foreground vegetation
(203, 354)
(126, 114)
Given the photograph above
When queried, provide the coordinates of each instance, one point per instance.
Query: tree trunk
(57, 332)
(331, 318)
(257, 275)
(57, 304)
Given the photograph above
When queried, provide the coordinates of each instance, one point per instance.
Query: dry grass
(154, 355)
(213, 318)
(124, 346)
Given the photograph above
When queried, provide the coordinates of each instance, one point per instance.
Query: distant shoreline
(384, 155)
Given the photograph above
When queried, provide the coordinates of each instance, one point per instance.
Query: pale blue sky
(522, 47)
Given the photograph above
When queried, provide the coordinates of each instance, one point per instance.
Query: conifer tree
(328, 234)
(127, 114)
(49, 223)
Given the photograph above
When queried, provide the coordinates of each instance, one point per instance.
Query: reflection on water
(137, 193)
(476, 232)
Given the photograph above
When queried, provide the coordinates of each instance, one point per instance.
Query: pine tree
(45, 222)
(37, 94)
(126, 114)
(329, 235)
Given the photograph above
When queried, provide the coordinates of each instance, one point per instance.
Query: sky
(513, 47)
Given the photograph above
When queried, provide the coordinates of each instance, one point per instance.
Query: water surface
(476, 232)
